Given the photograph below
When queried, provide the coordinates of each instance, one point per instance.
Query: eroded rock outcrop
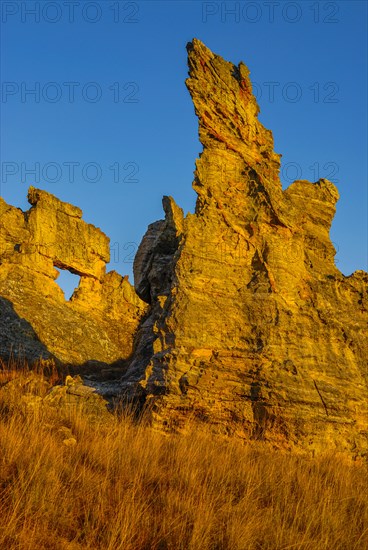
(251, 326)
(99, 321)
(239, 317)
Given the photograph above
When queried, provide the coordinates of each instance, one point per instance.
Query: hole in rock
(67, 281)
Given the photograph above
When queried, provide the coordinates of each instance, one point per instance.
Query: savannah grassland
(69, 482)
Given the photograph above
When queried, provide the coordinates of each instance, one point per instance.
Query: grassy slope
(68, 483)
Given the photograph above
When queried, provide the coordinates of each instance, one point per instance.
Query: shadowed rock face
(251, 326)
(99, 321)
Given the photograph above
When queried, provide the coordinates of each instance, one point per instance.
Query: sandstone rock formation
(239, 317)
(251, 326)
(99, 321)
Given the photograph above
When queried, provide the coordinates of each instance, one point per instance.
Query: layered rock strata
(251, 326)
(99, 321)
(239, 318)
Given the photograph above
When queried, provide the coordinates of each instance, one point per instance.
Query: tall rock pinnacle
(251, 326)
(238, 318)
(235, 143)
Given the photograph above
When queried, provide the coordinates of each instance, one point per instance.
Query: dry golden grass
(66, 483)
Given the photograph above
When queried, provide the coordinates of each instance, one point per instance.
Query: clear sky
(110, 126)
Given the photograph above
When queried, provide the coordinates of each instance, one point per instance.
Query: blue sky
(111, 126)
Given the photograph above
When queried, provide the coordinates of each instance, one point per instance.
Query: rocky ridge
(239, 318)
(100, 319)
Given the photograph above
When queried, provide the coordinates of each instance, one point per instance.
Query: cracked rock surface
(100, 319)
(239, 317)
(251, 327)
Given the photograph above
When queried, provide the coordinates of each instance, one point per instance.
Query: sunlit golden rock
(99, 321)
(239, 317)
(251, 327)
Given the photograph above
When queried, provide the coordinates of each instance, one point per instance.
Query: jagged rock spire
(251, 326)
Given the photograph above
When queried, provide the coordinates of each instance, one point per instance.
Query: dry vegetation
(67, 482)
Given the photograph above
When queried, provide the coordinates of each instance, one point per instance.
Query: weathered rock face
(239, 316)
(251, 327)
(99, 321)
